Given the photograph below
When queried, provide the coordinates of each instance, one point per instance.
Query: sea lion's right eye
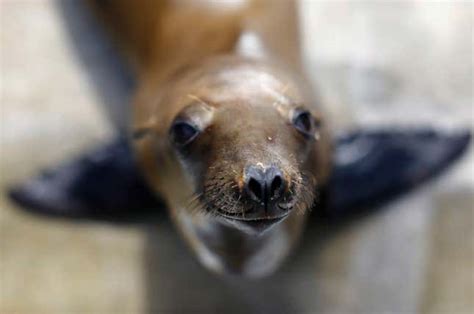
(303, 122)
(183, 133)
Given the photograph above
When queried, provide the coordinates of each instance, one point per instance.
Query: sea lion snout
(266, 198)
(265, 186)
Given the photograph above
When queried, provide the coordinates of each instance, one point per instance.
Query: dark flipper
(104, 184)
(373, 167)
(370, 168)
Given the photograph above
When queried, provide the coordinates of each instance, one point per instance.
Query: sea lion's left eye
(183, 133)
(303, 121)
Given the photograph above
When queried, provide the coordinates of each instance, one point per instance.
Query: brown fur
(187, 63)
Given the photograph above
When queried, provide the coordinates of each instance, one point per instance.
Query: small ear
(143, 129)
(140, 132)
(317, 118)
(318, 123)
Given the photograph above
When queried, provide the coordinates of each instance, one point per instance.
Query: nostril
(264, 186)
(276, 186)
(255, 188)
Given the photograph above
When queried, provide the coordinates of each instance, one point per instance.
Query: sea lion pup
(225, 128)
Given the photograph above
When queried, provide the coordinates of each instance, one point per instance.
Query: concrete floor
(414, 255)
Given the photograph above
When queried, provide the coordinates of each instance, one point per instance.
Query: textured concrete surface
(403, 63)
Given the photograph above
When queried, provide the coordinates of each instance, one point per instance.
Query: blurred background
(402, 63)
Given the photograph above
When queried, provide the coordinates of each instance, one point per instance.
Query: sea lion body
(233, 74)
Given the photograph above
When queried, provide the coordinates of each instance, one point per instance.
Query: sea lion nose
(264, 185)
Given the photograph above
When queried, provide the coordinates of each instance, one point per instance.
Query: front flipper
(103, 184)
(370, 167)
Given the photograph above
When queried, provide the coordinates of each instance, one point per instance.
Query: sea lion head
(237, 140)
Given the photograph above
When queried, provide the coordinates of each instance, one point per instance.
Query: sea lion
(236, 111)
(225, 128)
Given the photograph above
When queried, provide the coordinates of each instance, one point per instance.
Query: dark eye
(304, 122)
(183, 133)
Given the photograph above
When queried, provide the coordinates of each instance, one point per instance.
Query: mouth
(252, 225)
